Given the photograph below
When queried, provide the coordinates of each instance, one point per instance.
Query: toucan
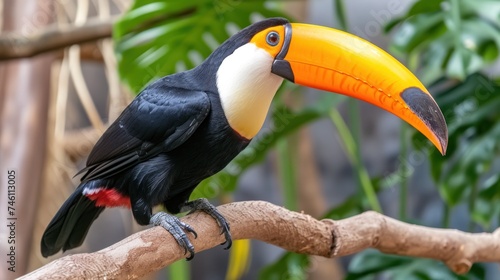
(187, 126)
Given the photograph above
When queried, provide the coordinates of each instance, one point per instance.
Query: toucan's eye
(273, 38)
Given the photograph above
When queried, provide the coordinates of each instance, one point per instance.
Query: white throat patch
(247, 87)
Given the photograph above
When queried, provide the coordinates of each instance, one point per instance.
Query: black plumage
(171, 137)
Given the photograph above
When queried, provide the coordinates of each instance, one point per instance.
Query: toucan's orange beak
(332, 60)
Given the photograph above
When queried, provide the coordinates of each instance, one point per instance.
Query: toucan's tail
(70, 225)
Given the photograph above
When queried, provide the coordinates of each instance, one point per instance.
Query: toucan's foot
(178, 230)
(202, 204)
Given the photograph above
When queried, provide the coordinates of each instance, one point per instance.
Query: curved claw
(227, 234)
(177, 229)
(189, 229)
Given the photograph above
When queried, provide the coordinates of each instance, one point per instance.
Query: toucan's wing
(158, 120)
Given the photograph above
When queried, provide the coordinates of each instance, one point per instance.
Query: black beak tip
(428, 111)
(444, 144)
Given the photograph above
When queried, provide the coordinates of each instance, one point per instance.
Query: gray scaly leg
(202, 204)
(177, 228)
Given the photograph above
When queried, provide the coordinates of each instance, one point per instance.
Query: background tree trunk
(25, 91)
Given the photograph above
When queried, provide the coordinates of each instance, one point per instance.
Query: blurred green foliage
(454, 42)
(455, 38)
(156, 38)
(370, 262)
(471, 108)
(448, 43)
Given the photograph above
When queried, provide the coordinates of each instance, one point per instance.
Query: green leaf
(371, 264)
(487, 205)
(418, 30)
(145, 14)
(487, 9)
(453, 38)
(160, 37)
(289, 266)
(349, 207)
(471, 110)
(421, 7)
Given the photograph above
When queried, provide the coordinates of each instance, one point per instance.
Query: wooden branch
(53, 37)
(154, 248)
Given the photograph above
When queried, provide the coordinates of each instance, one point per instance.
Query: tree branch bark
(53, 37)
(154, 248)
